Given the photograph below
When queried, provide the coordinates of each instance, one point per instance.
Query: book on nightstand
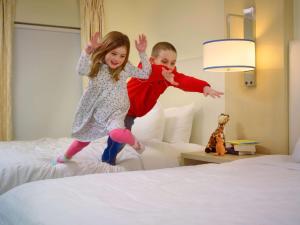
(242, 142)
(232, 150)
(242, 147)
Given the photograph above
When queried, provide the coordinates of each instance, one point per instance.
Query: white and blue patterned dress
(105, 102)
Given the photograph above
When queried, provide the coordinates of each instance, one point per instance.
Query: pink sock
(122, 136)
(74, 148)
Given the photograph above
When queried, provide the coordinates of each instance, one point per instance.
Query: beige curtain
(7, 14)
(91, 21)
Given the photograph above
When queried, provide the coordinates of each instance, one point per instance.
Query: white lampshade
(229, 55)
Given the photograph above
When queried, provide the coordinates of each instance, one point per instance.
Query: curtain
(91, 21)
(7, 14)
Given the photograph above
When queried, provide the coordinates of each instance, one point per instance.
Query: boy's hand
(141, 44)
(211, 92)
(93, 44)
(169, 76)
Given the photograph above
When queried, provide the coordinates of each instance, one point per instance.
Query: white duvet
(257, 191)
(26, 161)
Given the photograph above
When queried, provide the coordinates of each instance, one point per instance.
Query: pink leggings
(118, 135)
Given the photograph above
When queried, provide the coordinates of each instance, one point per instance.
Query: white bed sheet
(26, 161)
(256, 191)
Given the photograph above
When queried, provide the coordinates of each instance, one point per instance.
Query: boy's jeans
(113, 148)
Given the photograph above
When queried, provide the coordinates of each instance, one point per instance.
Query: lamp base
(250, 78)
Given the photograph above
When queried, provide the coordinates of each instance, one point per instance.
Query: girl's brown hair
(111, 41)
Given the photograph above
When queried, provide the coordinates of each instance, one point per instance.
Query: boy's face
(166, 58)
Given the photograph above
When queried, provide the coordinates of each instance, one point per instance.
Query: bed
(26, 161)
(244, 192)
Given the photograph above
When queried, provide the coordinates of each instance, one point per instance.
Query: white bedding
(257, 191)
(25, 161)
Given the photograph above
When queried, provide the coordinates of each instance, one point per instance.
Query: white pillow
(296, 152)
(151, 125)
(178, 124)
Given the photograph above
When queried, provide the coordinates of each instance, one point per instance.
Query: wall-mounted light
(233, 54)
(229, 55)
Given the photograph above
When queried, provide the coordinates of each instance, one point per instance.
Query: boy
(143, 94)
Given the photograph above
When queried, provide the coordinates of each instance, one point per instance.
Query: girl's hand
(141, 44)
(211, 92)
(169, 76)
(93, 44)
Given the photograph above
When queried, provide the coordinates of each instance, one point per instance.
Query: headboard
(294, 93)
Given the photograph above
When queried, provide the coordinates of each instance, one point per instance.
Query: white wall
(294, 93)
(54, 12)
(294, 81)
(186, 24)
(297, 19)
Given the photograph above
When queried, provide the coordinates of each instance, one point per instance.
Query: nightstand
(195, 158)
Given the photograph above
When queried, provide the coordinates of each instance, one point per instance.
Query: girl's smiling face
(116, 57)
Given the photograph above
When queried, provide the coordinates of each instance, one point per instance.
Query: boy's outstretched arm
(192, 84)
(211, 92)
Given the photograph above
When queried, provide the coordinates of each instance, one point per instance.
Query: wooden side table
(195, 158)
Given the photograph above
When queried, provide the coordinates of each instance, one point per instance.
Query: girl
(105, 103)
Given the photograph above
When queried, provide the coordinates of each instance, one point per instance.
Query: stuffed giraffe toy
(217, 138)
(220, 146)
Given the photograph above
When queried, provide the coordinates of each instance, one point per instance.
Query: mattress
(261, 190)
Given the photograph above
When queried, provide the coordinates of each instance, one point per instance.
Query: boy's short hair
(162, 46)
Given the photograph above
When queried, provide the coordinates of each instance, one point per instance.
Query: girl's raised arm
(144, 72)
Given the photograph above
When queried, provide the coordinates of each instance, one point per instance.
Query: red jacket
(143, 94)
